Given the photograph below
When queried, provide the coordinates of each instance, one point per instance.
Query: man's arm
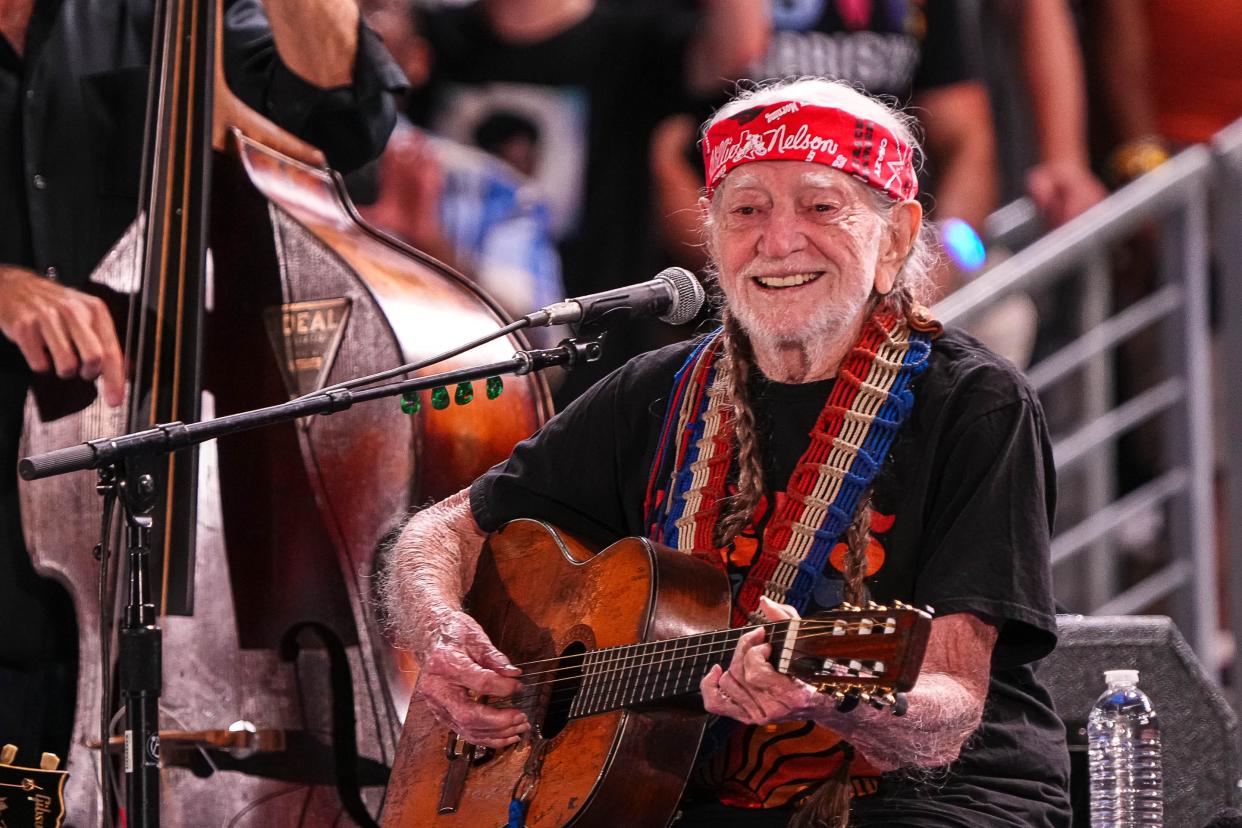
(945, 706)
(321, 52)
(961, 144)
(278, 58)
(960, 141)
(1062, 183)
(432, 563)
(732, 35)
(676, 187)
(57, 327)
(1124, 69)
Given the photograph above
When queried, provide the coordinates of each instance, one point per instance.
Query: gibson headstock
(31, 796)
(856, 654)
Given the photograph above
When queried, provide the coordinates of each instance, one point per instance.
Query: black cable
(103, 554)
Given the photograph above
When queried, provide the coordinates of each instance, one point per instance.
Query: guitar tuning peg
(846, 606)
(900, 704)
(873, 606)
(901, 605)
(848, 701)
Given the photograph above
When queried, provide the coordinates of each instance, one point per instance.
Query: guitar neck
(656, 671)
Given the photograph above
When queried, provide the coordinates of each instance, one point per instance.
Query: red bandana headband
(792, 131)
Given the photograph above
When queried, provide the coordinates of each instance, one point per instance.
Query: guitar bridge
(460, 754)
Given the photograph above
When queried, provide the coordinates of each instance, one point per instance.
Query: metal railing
(1171, 203)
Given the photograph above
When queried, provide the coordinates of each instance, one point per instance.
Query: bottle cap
(1113, 677)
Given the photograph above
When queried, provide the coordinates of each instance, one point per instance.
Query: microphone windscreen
(688, 296)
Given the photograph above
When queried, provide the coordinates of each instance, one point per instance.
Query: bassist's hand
(459, 664)
(58, 327)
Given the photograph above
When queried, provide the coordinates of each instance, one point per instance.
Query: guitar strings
(572, 691)
(635, 658)
(738, 632)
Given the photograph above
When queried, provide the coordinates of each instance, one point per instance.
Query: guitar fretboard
(637, 674)
(601, 680)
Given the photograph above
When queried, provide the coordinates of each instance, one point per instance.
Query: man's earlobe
(907, 220)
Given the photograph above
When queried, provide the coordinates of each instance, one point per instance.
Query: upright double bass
(251, 280)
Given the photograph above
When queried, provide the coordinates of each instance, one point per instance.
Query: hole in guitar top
(567, 681)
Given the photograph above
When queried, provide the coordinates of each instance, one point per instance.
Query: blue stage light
(963, 244)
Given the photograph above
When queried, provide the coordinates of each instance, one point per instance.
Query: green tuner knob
(410, 403)
(494, 386)
(439, 398)
(464, 393)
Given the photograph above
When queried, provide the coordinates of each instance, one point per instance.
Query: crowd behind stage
(548, 147)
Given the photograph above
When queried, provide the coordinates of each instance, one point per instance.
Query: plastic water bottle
(1123, 751)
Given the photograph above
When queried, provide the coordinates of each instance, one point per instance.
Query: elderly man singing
(829, 443)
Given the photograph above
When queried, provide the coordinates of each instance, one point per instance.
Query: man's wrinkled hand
(459, 664)
(62, 329)
(751, 690)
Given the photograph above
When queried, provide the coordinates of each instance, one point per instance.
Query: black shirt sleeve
(350, 124)
(586, 470)
(986, 541)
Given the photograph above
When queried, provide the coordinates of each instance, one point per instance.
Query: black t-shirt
(582, 103)
(961, 513)
(587, 98)
(893, 48)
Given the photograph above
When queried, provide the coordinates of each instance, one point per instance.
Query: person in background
(475, 210)
(1061, 181)
(916, 52)
(569, 67)
(1169, 76)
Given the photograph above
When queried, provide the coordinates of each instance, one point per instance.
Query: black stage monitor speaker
(1198, 728)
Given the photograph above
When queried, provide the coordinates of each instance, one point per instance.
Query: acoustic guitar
(612, 647)
(31, 797)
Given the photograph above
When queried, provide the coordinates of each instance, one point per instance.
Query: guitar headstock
(868, 653)
(31, 796)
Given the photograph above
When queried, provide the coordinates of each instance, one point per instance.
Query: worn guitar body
(612, 650)
(538, 593)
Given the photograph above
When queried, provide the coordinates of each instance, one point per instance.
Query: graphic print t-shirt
(889, 47)
(960, 522)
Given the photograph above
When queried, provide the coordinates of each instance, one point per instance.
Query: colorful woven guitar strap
(869, 401)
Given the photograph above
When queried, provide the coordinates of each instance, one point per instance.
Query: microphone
(674, 296)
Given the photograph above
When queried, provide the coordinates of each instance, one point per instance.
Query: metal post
(1185, 257)
(1227, 206)
(1100, 468)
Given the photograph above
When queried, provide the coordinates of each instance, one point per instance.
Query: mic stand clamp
(140, 659)
(569, 352)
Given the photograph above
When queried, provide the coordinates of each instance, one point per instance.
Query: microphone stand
(119, 462)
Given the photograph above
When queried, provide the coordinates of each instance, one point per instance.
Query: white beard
(814, 351)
